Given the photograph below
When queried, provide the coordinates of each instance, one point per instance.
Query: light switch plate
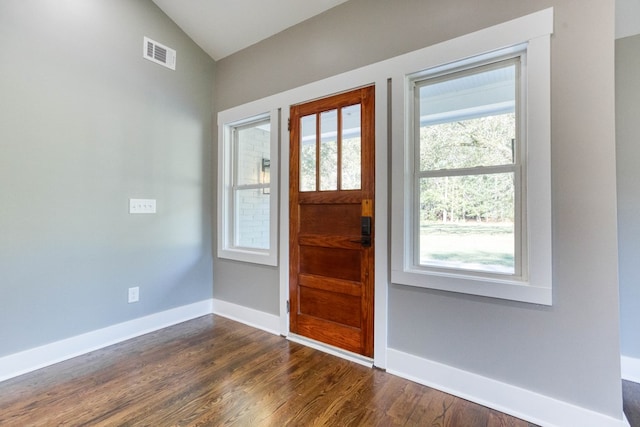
(147, 206)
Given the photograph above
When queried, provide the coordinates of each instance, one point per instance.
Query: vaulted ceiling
(222, 27)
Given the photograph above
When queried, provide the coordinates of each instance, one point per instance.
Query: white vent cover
(159, 53)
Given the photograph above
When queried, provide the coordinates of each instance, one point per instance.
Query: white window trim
(227, 121)
(535, 31)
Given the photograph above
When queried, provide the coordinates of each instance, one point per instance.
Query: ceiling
(222, 27)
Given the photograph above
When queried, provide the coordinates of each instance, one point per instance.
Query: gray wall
(628, 154)
(569, 351)
(85, 124)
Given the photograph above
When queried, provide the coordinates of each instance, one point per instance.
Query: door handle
(365, 226)
(365, 232)
(364, 241)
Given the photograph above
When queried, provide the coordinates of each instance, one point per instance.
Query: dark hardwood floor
(631, 397)
(213, 372)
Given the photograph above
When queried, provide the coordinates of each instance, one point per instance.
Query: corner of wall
(26, 361)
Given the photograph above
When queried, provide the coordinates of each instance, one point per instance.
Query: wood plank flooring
(631, 397)
(212, 371)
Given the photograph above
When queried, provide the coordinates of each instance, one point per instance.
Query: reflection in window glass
(351, 150)
(308, 144)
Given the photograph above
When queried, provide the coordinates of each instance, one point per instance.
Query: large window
(247, 208)
(471, 187)
(467, 180)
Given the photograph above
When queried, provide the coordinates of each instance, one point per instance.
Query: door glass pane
(467, 222)
(351, 154)
(468, 120)
(308, 142)
(329, 150)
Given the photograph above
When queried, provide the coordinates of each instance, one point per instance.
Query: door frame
(322, 89)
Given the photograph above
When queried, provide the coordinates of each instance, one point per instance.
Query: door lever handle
(364, 241)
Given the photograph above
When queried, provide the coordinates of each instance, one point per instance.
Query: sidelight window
(247, 205)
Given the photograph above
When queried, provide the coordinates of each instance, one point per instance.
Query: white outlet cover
(134, 294)
(143, 206)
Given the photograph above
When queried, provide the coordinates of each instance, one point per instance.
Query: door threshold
(335, 351)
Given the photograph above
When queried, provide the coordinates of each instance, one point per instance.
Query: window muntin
(467, 180)
(331, 150)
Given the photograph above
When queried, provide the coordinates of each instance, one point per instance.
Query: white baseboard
(506, 398)
(515, 401)
(39, 357)
(255, 318)
(630, 368)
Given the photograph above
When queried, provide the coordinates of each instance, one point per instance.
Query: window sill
(254, 257)
(487, 287)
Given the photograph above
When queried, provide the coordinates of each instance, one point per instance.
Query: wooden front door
(331, 220)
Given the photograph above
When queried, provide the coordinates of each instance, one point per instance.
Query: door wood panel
(331, 276)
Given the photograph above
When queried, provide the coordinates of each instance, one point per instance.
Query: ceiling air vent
(159, 53)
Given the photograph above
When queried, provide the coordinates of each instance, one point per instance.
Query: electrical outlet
(134, 294)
